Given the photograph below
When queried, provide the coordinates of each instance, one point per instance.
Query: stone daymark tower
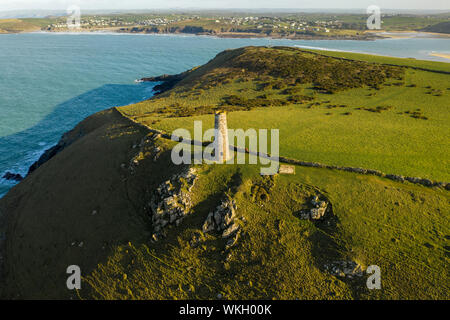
(221, 137)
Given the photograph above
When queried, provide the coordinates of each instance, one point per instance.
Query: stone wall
(394, 177)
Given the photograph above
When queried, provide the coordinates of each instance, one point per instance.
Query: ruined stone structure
(221, 137)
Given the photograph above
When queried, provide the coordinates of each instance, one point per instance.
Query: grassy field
(398, 128)
(403, 22)
(408, 62)
(17, 25)
(407, 23)
(90, 204)
(402, 228)
(398, 227)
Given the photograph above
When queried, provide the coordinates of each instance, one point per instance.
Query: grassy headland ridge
(357, 101)
(17, 26)
(442, 27)
(100, 201)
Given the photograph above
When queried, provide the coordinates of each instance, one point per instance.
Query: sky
(160, 4)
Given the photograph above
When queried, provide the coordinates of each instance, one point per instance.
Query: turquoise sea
(50, 82)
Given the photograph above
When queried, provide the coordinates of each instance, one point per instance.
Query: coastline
(440, 55)
(409, 34)
(376, 35)
(391, 36)
(368, 35)
(226, 35)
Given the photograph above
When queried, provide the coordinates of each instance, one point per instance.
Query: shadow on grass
(20, 150)
(326, 249)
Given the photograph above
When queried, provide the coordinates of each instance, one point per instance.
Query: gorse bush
(248, 104)
(326, 73)
(378, 109)
(298, 99)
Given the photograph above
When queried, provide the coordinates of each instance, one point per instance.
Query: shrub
(326, 73)
(248, 104)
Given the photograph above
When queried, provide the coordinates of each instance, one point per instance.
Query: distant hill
(19, 14)
(443, 27)
(16, 26)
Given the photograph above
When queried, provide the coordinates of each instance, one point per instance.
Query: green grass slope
(442, 27)
(74, 208)
(90, 204)
(392, 119)
(401, 228)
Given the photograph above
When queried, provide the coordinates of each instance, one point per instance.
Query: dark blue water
(50, 82)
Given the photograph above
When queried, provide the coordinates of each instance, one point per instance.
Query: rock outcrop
(46, 156)
(146, 144)
(320, 208)
(167, 81)
(12, 176)
(344, 269)
(223, 220)
(172, 202)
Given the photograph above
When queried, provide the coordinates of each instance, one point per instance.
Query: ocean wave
(22, 167)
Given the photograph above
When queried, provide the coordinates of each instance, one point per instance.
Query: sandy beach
(408, 34)
(441, 55)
